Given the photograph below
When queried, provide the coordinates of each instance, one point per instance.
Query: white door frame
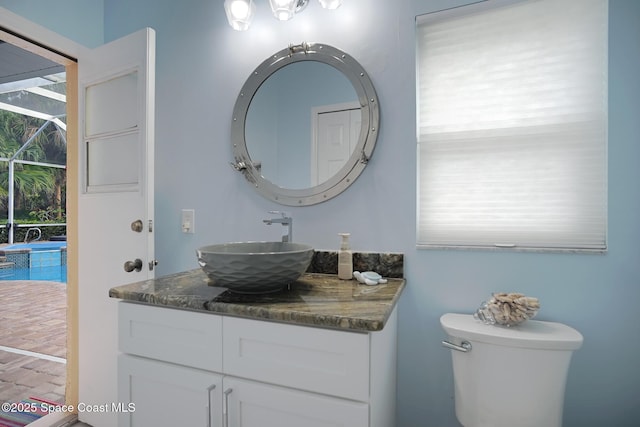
(39, 40)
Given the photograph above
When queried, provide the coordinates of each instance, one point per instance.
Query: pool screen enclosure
(35, 87)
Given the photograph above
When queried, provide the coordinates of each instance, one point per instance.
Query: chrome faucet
(284, 220)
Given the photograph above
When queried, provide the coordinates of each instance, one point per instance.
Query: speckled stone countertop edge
(319, 300)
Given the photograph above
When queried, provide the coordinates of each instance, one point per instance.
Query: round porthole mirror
(305, 124)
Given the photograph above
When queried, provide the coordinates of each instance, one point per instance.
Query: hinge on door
(150, 226)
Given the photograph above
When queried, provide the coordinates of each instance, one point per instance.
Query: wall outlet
(188, 221)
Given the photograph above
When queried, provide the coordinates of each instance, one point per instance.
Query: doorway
(32, 137)
(70, 294)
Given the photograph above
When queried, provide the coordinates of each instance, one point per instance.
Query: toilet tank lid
(530, 334)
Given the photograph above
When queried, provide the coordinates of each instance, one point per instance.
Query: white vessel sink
(254, 267)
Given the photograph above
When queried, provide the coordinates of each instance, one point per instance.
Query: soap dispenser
(345, 259)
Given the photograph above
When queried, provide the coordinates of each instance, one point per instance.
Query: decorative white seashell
(507, 309)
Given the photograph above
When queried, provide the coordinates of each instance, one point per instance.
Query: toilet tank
(511, 376)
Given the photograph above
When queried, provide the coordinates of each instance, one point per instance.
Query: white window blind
(512, 124)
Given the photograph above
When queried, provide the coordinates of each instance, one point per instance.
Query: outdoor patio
(32, 320)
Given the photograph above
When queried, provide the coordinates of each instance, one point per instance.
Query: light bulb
(330, 4)
(239, 13)
(283, 10)
(239, 9)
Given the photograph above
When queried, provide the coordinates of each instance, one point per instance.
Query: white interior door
(336, 132)
(116, 104)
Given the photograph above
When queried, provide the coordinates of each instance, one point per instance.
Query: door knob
(136, 265)
(137, 226)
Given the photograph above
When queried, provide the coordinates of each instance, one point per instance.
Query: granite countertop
(314, 299)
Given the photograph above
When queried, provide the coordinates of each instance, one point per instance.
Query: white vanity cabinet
(198, 369)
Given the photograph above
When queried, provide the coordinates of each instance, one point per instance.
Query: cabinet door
(167, 395)
(252, 404)
(318, 360)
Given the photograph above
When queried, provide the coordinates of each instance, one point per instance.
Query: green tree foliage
(37, 188)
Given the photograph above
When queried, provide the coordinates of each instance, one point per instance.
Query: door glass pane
(113, 161)
(111, 105)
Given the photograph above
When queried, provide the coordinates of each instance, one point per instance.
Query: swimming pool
(35, 261)
(37, 246)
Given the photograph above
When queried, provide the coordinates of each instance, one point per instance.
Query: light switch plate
(188, 221)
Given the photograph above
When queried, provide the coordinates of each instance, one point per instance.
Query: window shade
(512, 126)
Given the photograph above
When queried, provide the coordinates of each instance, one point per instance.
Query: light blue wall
(201, 65)
(78, 20)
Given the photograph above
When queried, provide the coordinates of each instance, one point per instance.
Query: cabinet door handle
(225, 407)
(209, 390)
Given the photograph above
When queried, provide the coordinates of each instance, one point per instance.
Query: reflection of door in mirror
(335, 132)
(278, 125)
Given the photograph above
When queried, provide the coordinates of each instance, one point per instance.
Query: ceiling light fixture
(240, 12)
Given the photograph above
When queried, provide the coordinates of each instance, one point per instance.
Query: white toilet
(509, 377)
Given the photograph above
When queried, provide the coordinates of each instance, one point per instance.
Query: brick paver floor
(32, 318)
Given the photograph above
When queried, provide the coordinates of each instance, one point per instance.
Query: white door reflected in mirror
(335, 135)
